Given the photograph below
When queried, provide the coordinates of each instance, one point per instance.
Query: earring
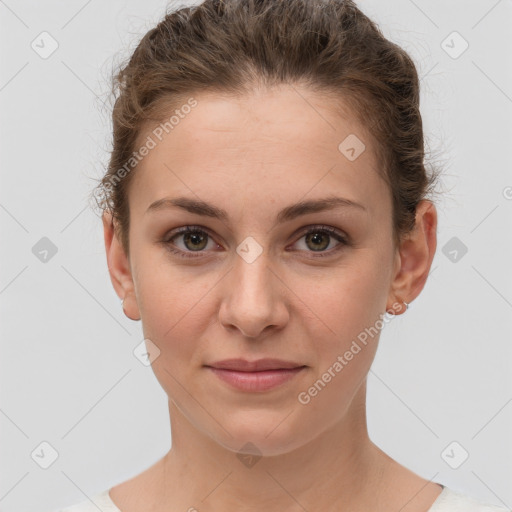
(406, 304)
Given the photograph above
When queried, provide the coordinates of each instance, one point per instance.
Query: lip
(254, 376)
(242, 365)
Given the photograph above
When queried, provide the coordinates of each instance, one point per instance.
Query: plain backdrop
(440, 389)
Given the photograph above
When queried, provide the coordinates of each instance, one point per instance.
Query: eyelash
(198, 229)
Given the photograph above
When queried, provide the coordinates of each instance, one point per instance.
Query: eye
(195, 239)
(319, 238)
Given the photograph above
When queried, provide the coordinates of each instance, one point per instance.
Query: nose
(254, 299)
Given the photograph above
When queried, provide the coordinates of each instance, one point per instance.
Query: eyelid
(183, 230)
(302, 231)
(325, 228)
(342, 238)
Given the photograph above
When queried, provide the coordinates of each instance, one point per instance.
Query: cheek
(347, 298)
(160, 283)
(344, 334)
(174, 314)
(173, 303)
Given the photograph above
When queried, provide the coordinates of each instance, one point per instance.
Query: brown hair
(233, 46)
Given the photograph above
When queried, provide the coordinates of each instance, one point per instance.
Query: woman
(265, 213)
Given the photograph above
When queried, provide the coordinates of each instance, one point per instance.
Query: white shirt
(448, 501)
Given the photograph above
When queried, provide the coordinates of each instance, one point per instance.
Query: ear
(119, 268)
(414, 258)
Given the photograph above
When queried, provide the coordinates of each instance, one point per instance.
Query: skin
(253, 156)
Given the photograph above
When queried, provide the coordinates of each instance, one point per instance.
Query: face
(264, 279)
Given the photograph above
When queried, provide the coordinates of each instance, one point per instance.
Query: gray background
(68, 374)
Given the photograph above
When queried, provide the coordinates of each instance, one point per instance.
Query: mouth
(253, 376)
(242, 365)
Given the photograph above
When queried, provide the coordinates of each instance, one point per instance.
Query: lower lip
(256, 381)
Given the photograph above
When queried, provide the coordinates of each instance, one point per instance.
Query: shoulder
(100, 501)
(451, 500)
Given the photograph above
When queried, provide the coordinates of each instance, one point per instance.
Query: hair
(231, 47)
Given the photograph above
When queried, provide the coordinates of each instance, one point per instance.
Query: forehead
(287, 138)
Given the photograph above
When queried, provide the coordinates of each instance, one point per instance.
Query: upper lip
(253, 366)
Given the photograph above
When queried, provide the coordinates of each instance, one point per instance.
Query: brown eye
(195, 240)
(318, 240)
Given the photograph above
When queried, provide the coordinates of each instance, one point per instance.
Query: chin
(261, 434)
(260, 446)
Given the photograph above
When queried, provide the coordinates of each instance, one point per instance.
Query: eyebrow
(286, 214)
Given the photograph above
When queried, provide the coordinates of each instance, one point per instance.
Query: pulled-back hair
(235, 46)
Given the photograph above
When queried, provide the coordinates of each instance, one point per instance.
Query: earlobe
(119, 268)
(415, 257)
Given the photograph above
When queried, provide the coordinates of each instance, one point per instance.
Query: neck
(341, 463)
